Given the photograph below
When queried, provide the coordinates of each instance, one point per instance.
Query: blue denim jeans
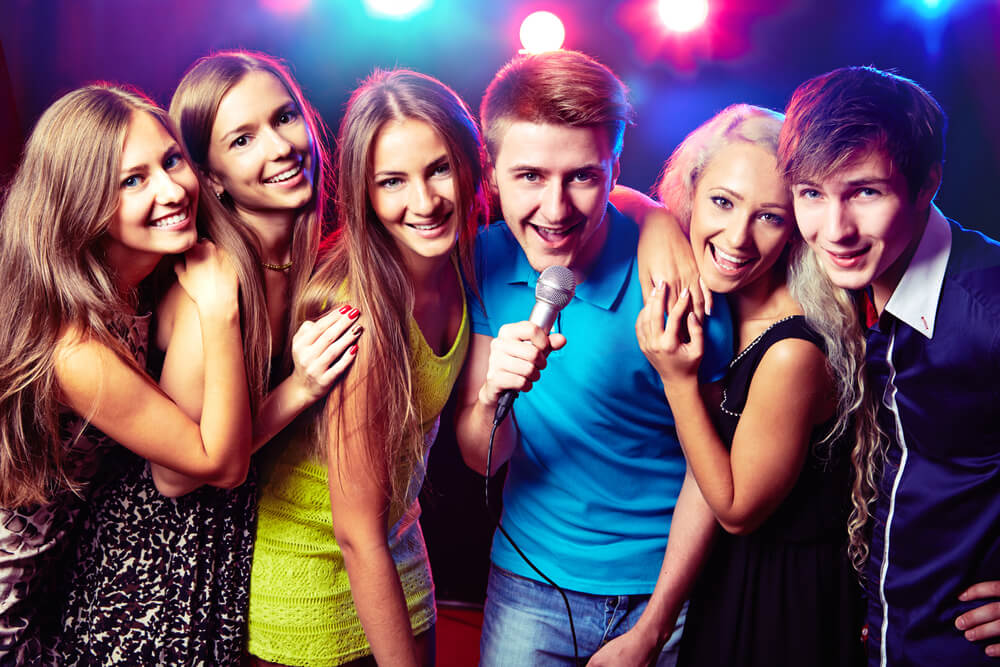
(525, 623)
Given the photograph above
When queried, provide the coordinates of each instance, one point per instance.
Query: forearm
(381, 604)
(691, 531)
(278, 409)
(473, 424)
(225, 419)
(708, 458)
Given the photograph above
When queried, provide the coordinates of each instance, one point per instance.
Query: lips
(729, 263)
(286, 175)
(172, 221)
(553, 235)
(847, 258)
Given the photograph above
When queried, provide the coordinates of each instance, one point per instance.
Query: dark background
(753, 51)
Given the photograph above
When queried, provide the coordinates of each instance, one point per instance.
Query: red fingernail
(354, 349)
(345, 308)
(353, 314)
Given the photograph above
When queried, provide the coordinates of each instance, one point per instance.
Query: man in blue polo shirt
(596, 471)
(863, 152)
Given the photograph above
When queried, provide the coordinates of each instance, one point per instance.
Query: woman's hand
(323, 349)
(675, 348)
(208, 277)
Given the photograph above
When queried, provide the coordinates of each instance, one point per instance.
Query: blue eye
(868, 192)
(131, 181)
(808, 193)
(442, 169)
(172, 161)
(530, 177)
(390, 183)
(583, 177)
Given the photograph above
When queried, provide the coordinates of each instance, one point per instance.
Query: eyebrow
(529, 167)
(395, 172)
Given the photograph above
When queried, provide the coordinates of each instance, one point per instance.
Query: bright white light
(542, 31)
(397, 9)
(683, 15)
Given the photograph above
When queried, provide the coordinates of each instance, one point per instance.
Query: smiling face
(553, 182)
(862, 223)
(157, 200)
(261, 150)
(741, 217)
(412, 190)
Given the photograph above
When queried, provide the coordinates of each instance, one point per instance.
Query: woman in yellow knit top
(340, 572)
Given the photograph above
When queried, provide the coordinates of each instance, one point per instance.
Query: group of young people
(815, 434)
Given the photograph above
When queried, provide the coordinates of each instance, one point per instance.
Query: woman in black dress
(770, 447)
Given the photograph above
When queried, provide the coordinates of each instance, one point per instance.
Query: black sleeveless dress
(786, 593)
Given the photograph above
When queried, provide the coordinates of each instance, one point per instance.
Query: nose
(737, 233)
(168, 190)
(423, 200)
(839, 225)
(277, 145)
(555, 205)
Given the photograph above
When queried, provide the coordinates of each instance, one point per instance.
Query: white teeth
(425, 228)
(285, 175)
(171, 220)
(730, 258)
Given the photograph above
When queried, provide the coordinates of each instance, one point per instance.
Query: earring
(220, 195)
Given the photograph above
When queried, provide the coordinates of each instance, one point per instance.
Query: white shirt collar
(915, 299)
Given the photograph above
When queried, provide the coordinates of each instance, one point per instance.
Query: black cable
(496, 519)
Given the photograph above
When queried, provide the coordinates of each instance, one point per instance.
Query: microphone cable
(496, 519)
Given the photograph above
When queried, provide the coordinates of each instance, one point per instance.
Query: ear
(491, 178)
(930, 187)
(616, 170)
(214, 181)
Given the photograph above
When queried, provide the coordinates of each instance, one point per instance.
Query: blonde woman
(771, 452)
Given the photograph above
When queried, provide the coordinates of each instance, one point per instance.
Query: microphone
(555, 288)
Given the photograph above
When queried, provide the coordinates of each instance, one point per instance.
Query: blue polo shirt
(934, 361)
(593, 482)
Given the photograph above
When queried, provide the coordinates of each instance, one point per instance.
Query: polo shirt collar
(611, 270)
(915, 299)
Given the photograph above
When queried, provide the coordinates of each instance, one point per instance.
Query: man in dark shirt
(862, 150)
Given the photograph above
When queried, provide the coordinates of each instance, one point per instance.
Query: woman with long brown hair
(340, 570)
(258, 143)
(104, 192)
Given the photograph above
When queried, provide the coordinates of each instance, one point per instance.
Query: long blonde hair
(194, 107)
(830, 311)
(52, 263)
(365, 268)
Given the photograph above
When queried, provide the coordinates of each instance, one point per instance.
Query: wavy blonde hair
(830, 311)
(57, 211)
(193, 107)
(365, 267)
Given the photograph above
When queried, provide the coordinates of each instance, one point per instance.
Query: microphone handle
(544, 315)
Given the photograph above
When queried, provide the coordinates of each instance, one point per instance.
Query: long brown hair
(194, 107)
(52, 264)
(365, 268)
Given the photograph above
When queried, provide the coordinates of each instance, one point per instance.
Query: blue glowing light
(395, 9)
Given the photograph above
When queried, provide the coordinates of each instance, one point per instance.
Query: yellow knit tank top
(301, 610)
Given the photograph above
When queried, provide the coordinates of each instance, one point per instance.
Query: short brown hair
(841, 115)
(557, 87)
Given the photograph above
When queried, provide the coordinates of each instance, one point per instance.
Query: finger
(988, 615)
(337, 369)
(655, 310)
(675, 319)
(333, 350)
(696, 333)
(337, 328)
(984, 589)
(557, 341)
(707, 294)
(989, 630)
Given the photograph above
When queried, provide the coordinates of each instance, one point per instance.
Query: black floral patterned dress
(33, 540)
(157, 580)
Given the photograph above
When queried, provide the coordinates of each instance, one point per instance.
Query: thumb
(557, 341)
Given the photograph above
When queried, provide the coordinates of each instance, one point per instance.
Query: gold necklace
(278, 267)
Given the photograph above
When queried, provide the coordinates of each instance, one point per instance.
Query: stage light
(542, 31)
(285, 7)
(395, 9)
(683, 15)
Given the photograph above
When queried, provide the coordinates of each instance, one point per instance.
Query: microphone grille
(556, 286)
